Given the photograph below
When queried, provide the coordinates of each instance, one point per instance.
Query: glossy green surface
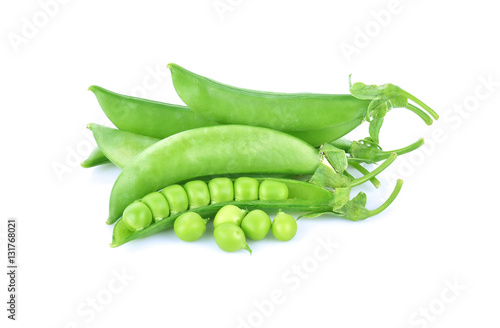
(137, 216)
(256, 224)
(177, 198)
(198, 194)
(246, 189)
(120, 147)
(146, 117)
(158, 205)
(221, 190)
(284, 226)
(230, 238)
(273, 190)
(190, 226)
(210, 151)
(281, 111)
(229, 214)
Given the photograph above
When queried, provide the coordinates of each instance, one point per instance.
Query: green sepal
(335, 156)
(325, 176)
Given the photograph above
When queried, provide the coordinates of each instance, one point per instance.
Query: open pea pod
(302, 197)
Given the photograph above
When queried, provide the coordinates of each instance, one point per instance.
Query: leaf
(340, 198)
(336, 157)
(354, 209)
(325, 176)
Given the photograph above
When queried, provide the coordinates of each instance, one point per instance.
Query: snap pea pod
(302, 197)
(147, 117)
(161, 120)
(228, 149)
(95, 158)
(120, 147)
(291, 112)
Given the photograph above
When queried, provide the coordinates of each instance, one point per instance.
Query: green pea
(176, 197)
(137, 216)
(221, 190)
(158, 205)
(198, 194)
(230, 238)
(273, 190)
(284, 226)
(229, 214)
(256, 224)
(246, 189)
(190, 226)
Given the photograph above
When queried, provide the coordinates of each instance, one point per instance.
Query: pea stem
(389, 201)
(247, 248)
(375, 182)
(426, 118)
(406, 149)
(375, 172)
(421, 103)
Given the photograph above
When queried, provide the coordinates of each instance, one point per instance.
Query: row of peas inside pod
(232, 225)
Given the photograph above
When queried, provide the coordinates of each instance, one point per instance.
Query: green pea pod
(230, 149)
(95, 158)
(161, 120)
(120, 147)
(279, 111)
(302, 197)
(146, 117)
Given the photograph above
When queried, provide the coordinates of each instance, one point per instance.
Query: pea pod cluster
(237, 147)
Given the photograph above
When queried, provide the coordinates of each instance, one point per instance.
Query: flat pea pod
(273, 190)
(198, 194)
(158, 205)
(246, 189)
(120, 147)
(228, 149)
(190, 226)
(137, 216)
(95, 158)
(161, 120)
(230, 238)
(256, 224)
(280, 111)
(146, 117)
(284, 226)
(229, 214)
(221, 190)
(176, 197)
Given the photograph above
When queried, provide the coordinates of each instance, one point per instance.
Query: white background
(442, 229)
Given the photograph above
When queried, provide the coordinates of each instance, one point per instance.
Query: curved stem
(389, 200)
(407, 149)
(364, 171)
(426, 118)
(247, 248)
(421, 103)
(375, 172)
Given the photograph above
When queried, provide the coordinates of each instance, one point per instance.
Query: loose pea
(230, 238)
(273, 190)
(190, 226)
(158, 205)
(198, 194)
(246, 189)
(256, 224)
(229, 214)
(177, 198)
(137, 216)
(284, 226)
(221, 190)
